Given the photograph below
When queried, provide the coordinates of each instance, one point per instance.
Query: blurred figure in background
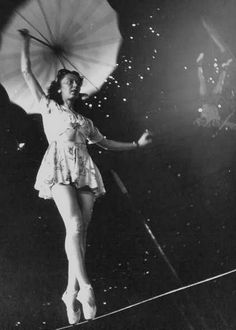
(209, 114)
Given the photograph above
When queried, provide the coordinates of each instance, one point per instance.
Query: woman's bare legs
(76, 211)
(66, 201)
(86, 202)
(86, 295)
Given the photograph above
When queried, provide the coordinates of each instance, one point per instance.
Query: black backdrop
(184, 184)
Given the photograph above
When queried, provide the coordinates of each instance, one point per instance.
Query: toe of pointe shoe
(199, 59)
(72, 315)
(86, 297)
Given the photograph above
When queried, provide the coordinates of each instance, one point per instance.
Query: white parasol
(80, 35)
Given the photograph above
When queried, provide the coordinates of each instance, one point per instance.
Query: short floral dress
(67, 161)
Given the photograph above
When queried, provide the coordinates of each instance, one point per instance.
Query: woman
(68, 175)
(210, 116)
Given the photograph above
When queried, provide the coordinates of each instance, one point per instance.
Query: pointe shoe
(226, 64)
(87, 299)
(69, 300)
(199, 60)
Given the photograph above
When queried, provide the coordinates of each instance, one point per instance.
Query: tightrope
(152, 298)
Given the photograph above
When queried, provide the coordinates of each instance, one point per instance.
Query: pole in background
(195, 310)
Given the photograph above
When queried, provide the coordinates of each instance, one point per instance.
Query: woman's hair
(53, 90)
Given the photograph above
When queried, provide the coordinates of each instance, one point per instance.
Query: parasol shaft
(49, 46)
(41, 41)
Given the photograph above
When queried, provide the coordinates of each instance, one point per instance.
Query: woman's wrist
(136, 144)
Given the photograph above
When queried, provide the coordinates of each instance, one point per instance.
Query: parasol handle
(22, 31)
(55, 49)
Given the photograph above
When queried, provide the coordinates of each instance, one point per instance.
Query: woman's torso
(65, 125)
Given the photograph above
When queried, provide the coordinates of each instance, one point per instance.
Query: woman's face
(70, 87)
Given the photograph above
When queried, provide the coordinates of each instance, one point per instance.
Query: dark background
(183, 185)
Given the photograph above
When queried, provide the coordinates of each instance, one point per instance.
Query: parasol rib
(90, 10)
(67, 25)
(56, 67)
(45, 19)
(98, 26)
(27, 21)
(58, 21)
(97, 44)
(91, 60)
(61, 61)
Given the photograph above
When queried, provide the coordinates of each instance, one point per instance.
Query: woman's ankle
(71, 291)
(86, 286)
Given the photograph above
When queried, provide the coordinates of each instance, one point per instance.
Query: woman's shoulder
(48, 105)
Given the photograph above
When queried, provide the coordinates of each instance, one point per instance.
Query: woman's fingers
(24, 33)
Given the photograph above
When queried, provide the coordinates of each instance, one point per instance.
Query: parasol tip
(24, 32)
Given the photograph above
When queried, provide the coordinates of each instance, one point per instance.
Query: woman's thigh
(66, 200)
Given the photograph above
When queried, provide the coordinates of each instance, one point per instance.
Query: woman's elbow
(27, 74)
(104, 143)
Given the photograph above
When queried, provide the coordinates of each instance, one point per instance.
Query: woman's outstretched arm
(144, 140)
(28, 75)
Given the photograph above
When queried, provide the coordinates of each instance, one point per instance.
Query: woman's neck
(69, 104)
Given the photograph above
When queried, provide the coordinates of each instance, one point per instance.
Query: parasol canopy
(79, 35)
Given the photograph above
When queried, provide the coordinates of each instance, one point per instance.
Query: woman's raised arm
(29, 77)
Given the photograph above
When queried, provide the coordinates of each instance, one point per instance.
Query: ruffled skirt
(68, 163)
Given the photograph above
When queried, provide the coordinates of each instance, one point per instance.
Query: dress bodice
(63, 124)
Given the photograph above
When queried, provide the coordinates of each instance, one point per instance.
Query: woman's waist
(64, 143)
(68, 135)
(69, 138)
